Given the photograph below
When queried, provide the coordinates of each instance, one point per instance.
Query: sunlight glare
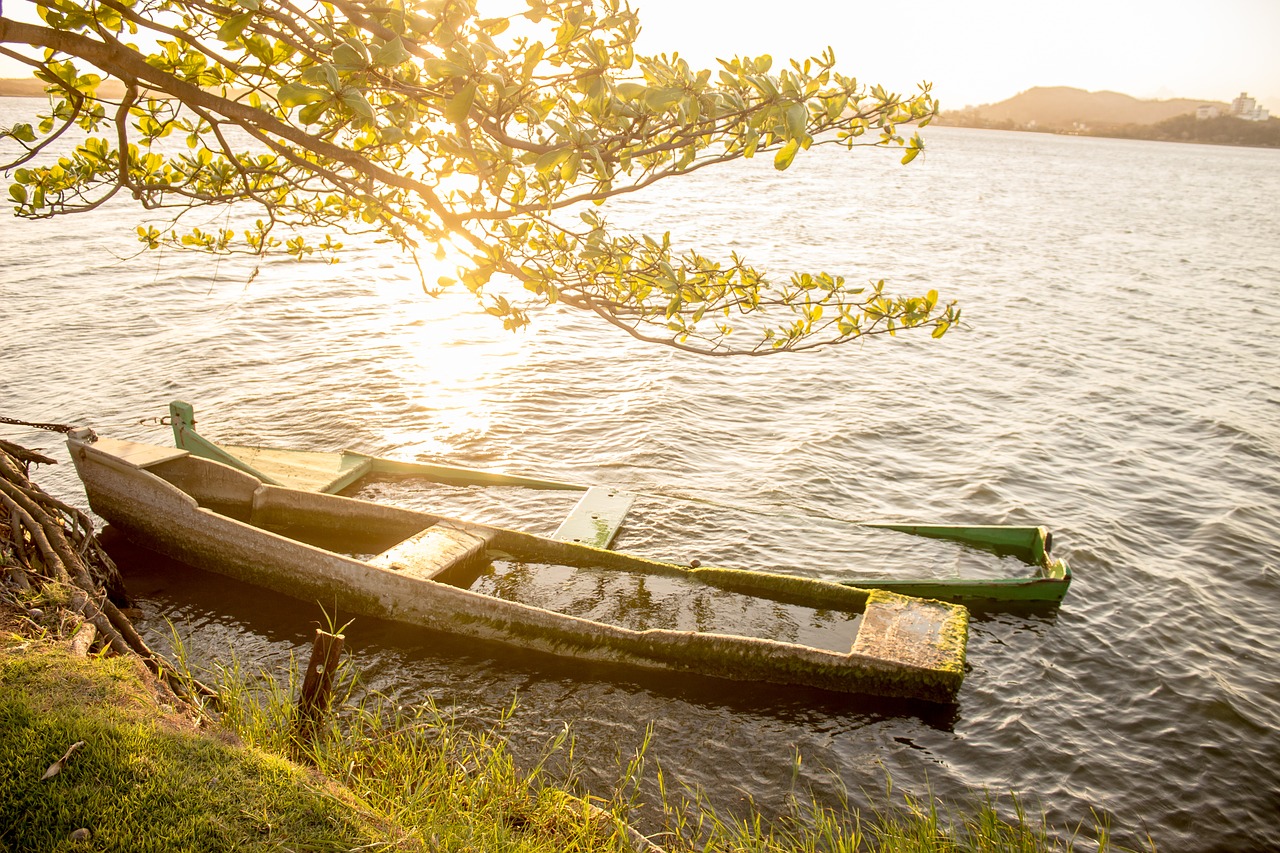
(448, 356)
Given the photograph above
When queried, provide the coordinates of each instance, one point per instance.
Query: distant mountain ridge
(1066, 108)
(30, 87)
(26, 87)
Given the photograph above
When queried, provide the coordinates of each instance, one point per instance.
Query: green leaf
(442, 68)
(532, 56)
(312, 113)
(391, 54)
(18, 193)
(260, 48)
(457, 109)
(910, 155)
(296, 94)
(552, 159)
(356, 102)
(630, 91)
(347, 58)
(331, 76)
(785, 155)
(234, 26)
(797, 116)
(661, 99)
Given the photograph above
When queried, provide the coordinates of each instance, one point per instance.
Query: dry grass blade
(56, 767)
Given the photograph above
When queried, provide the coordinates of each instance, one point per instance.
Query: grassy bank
(145, 778)
(149, 776)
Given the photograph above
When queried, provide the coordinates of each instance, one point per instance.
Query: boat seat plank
(432, 552)
(596, 518)
(906, 630)
(136, 454)
(309, 470)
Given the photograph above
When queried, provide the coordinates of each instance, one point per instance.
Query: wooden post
(317, 685)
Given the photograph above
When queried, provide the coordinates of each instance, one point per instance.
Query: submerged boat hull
(220, 519)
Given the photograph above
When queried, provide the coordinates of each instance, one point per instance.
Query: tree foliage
(491, 139)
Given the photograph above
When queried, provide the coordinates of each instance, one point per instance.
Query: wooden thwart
(137, 454)
(596, 518)
(304, 469)
(432, 552)
(906, 630)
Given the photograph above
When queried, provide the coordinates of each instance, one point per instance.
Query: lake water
(1119, 381)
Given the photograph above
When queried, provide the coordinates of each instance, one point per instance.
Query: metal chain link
(51, 427)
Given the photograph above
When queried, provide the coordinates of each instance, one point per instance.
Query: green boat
(602, 510)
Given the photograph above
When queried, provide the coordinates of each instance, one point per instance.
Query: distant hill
(1065, 108)
(30, 87)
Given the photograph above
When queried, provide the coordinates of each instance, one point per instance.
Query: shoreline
(1115, 134)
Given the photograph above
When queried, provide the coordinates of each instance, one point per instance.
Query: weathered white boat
(461, 577)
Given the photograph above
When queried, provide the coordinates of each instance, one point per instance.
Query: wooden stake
(317, 686)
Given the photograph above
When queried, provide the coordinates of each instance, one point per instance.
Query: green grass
(143, 780)
(914, 825)
(383, 777)
(456, 785)
(435, 774)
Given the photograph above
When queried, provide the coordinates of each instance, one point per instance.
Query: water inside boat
(641, 602)
(638, 601)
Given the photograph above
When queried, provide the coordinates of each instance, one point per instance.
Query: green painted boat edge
(182, 418)
(1048, 590)
(455, 476)
(1030, 544)
(185, 437)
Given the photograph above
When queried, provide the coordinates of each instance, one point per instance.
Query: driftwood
(49, 547)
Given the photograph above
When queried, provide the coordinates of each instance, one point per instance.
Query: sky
(983, 51)
(980, 51)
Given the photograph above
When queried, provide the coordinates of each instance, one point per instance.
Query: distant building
(1247, 108)
(1206, 112)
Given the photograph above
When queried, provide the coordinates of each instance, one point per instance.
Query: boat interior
(561, 576)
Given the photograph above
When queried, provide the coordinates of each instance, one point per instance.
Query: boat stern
(920, 642)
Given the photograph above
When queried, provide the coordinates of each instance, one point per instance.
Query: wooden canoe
(415, 567)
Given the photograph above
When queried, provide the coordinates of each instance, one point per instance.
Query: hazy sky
(981, 51)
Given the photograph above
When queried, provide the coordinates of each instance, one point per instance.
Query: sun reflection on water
(449, 358)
